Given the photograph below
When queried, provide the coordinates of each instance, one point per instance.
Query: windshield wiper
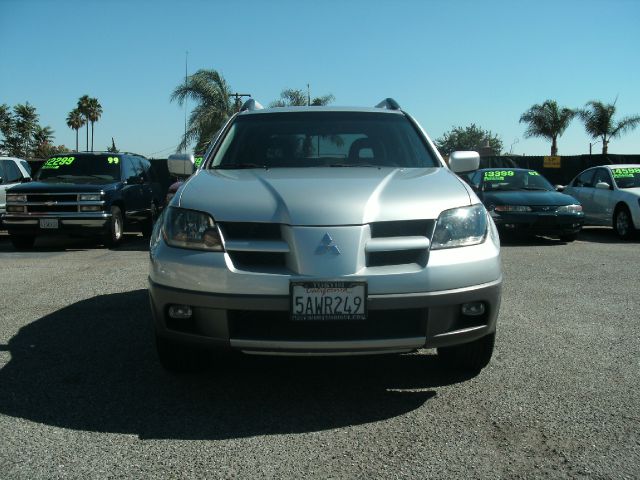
(353, 165)
(239, 166)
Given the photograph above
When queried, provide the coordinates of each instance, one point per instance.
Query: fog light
(473, 309)
(180, 311)
(90, 208)
(15, 209)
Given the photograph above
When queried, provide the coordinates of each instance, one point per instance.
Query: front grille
(253, 258)
(250, 231)
(47, 197)
(400, 257)
(544, 208)
(257, 260)
(380, 324)
(403, 228)
(51, 208)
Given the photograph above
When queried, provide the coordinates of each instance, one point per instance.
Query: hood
(62, 187)
(324, 196)
(528, 197)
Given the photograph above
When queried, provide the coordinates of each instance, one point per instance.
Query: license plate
(328, 301)
(48, 223)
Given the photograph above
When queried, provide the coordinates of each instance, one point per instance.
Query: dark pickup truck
(98, 194)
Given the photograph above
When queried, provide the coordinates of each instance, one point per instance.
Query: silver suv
(325, 231)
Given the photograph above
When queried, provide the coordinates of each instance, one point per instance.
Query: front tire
(622, 223)
(569, 237)
(22, 242)
(471, 357)
(113, 237)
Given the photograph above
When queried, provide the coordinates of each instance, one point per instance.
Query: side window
(12, 172)
(602, 175)
(584, 179)
(2, 175)
(144, 168)
(26, 166)
(128, 168)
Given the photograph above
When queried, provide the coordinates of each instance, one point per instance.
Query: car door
(602, 201)
(582, 190)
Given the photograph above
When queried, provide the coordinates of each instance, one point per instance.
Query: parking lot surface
(83, 396)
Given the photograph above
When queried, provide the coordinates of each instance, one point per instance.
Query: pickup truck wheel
(114, 235)
(623, 224)
(177, 358)
(471, 357)
(147, 228)
(22, 242)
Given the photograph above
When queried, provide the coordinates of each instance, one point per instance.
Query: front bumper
(539, 223)
(69, 223)
(260, 323)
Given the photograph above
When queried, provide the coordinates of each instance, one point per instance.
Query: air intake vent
(404, 228)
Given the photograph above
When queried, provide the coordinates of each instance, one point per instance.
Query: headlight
(190, 229)
(460, 227)
(569, 209)
(512, 208)
(90, 197)
(14, 197)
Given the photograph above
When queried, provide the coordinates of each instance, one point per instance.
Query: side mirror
(181, 164)
(464, 161)
(603, 186)
(560, 188)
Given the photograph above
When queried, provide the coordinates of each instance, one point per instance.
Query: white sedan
(13, 171)
(610, 196)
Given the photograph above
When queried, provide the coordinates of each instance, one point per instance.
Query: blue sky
(448, 63)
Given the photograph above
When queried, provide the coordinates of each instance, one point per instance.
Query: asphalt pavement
(82, 394)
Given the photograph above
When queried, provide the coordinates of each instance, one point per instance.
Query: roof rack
(251, 104)
(389, 104)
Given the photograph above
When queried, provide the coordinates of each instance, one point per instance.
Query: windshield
(322, 139)
(626, 177)
(86, 168)
(510, 179)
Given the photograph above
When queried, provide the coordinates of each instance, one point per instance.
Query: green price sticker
(57, 162)
(534, 173)
(498, 175)
(625, 172)
(113, 160)
(198, 161)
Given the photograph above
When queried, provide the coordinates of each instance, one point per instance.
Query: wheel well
(120, 205)
(620, 205)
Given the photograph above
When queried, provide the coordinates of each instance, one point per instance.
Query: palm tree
(548, 121)
(83, 107)
(297, 98)
(214, 106)
(598, 122)
(42, 141)
(94, 112)
(75, 121)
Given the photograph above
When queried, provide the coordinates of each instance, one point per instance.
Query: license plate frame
(49, 223)
(308, 300)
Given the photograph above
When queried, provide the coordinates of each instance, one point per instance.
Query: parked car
(325, 231)
(89, 194)
(523, 201)
(610, 196)
(13, 171)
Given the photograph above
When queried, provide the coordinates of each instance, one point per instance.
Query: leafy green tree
(84, 105)
(23, 135)
(297, 98)
(469, 138)
(598, 122)
(212, 96)
(547, 121)
(26, 126)
(75, 121)
(94, 112)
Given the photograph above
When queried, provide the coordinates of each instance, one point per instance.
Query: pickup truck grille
(48, 197)
(51, 208)
(54, 203)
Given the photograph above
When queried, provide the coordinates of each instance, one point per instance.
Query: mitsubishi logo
(327, 245)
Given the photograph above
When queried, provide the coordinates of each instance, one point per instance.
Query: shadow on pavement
(62, 243)
(92, 366)
(604, 235)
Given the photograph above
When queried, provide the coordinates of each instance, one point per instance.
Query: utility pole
(186, 58)
(238, 96)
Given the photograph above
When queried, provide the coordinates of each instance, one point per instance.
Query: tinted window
(312, 139)
(602, 175)
(129, 168)
(26, 166)
(584, 179)
(11, 172)
(511, 179)
(81, 168)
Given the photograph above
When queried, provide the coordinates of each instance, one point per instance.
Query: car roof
(621, 165)
(263, 111)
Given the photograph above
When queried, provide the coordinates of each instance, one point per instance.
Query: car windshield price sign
(328, 301)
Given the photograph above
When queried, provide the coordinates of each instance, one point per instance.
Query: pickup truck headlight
(14, 197)
(569, 209)
(460, 227)
(191, 229)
